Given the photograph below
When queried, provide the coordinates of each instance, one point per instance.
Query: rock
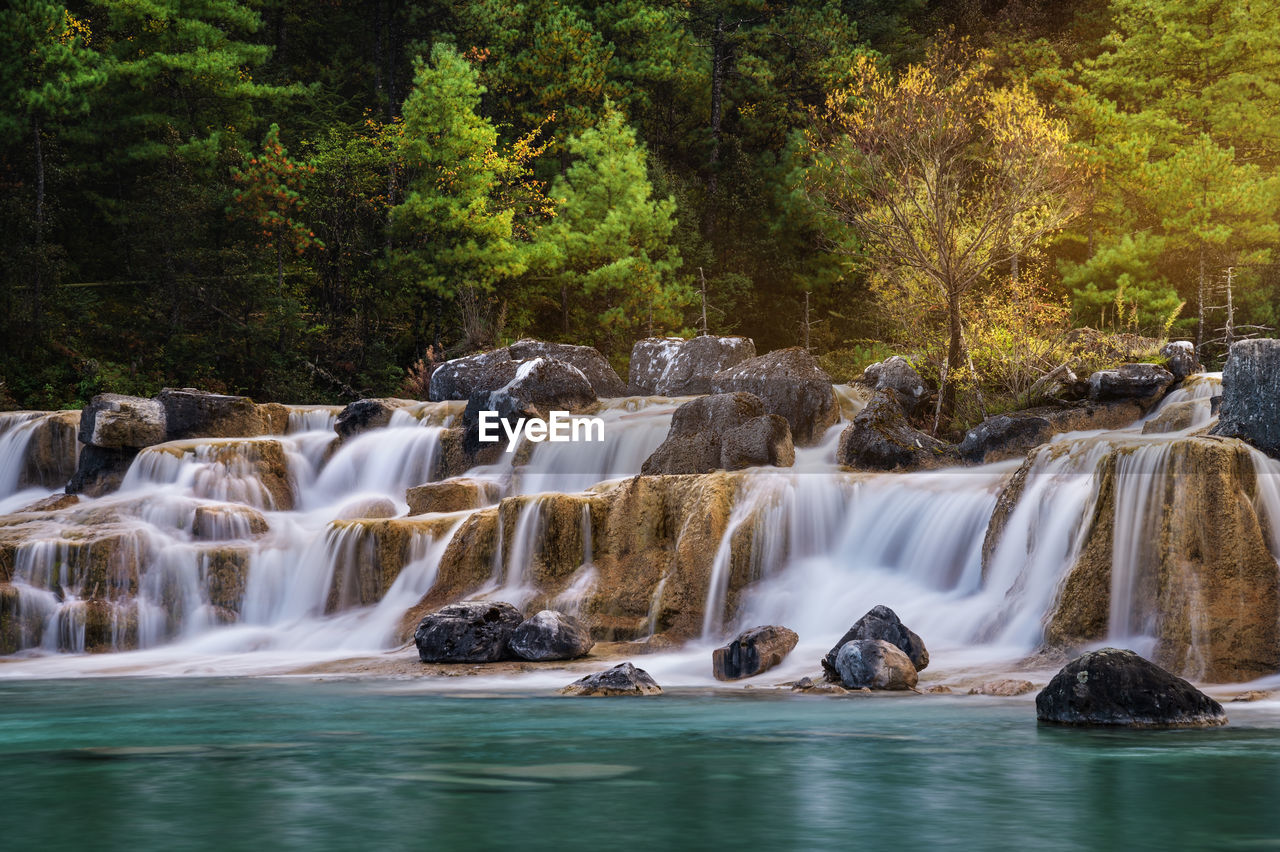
(100, 470)
(726, 431)
(874, 664)
(191, 413)
(227, 522)
(880, 622)
(752, 652)
(604, 381)
(368, 507)
(808, 686)
(1177, 416)
(897, 376)
(1180, 359)
(550, 635)
(51, 450)
(650, 358)
(461, 377)
(1003, 688)
(535, 388)
(1118, 688)
(792, 385)
(879, 438)
(1205, 589)
(365, 414)
(939, 689)
(116, 422)
(622, 679)
(1252, 695)
(1250, 407)
(1129, 381)
(467, 632)
(52, 503)
(674, 367)
(1007, 436)
(452, 495)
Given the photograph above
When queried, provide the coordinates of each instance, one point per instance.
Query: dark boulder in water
(1117, 688)
(874, 664)
(1180, 358)
(1129, 381)
(467, 632)
(622, 679)
(897, 376)
(100, 470)
(791, 385)
(604, 380)
(365, 414)
(1250, 407)
(752, 652)
(880, 438)
(550, 635)
(725, 431)
(880, 623)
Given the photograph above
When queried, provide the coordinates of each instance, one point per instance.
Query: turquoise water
(142, 764)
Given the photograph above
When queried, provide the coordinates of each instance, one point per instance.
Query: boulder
(1177, 416)
(191, 413)
(452, 495)
(622, 679)
(535, 388)
(880, 438)
(673, 366)
(752, 652)
(52, 503)
(1180, 359)
(880, 622)
(550, 635)
(604, 380)
(117, 422)
(874, 664)
(100, 470)
(459, 378)
(650, 358)
(365, 414)
(1004, 688)
(792, 385)
(1250, 408)
(1112, 687)
(726, 431)
(51, 450)
(367, 507)
(1129, 381)
(1007, 436)
(897, 376)
(467, 632)
(808, 686)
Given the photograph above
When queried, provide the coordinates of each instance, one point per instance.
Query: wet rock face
(467, 632)
(622, 679)
(1250, 407)
(100, 470)
(728, 431)
(1129, 381)
(604, 381)
(191, 413)
(880, 438)
(792, 385)
(1118, 688)
(874, 664)
(880, 623)
(668, 366)
(452, 495)
(488, 371)
(113, 421)
(550, 635)
(897, 376)
(752, 652)
(365, 414)
(1180, 359)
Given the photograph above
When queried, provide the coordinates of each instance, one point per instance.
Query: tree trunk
(37, 283)
(955, 353)
(564, 308)
(1200, 304)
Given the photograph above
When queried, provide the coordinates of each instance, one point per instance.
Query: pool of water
(149, 763)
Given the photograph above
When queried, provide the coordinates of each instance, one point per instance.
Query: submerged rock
(1250, 407)
(1112, 687)
(622, 679)
(752, 652)
(550, 635)
(880, 622)
(792, 385)
(1003, 688)
(808, 686)
(1129, 381)
(671, 366)
(874, 664)
(897, 376)
(727, 431)
(117, 422)
(467, 632)
(880, 438)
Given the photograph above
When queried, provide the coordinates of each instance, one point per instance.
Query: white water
(826, 545)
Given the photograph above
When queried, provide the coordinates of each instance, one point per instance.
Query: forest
(319, 201)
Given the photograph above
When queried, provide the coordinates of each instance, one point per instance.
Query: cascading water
(246, 544)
